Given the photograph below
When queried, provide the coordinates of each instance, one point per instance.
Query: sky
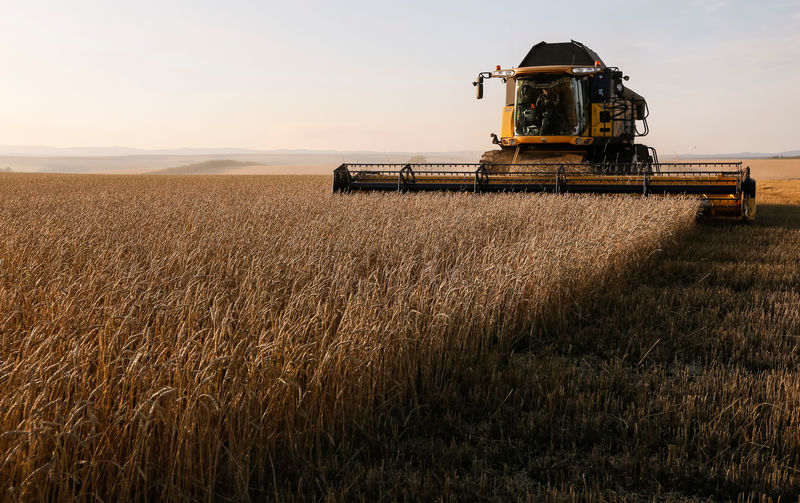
(719, 76)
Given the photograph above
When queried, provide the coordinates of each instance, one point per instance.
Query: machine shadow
(785, 216)
(607, 388)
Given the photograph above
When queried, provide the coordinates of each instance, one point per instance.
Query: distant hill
(743, 155)
(47, 151)
(304, 155)
(122, 160)
(213, 167)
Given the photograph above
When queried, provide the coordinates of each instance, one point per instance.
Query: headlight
(503, 73)
(586, 69)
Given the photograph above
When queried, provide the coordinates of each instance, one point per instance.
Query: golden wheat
(187, 337)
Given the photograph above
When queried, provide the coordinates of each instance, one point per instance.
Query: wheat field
(680, 383)
(199, 338)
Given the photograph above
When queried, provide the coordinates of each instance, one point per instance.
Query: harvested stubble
(189, 337)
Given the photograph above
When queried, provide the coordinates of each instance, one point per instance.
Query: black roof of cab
(561, 53)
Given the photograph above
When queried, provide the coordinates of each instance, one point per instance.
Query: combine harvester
(568, 126)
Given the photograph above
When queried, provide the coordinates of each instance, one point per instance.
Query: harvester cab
(563, 103)
(569, 124)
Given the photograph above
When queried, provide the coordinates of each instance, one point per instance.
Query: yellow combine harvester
(568, 126)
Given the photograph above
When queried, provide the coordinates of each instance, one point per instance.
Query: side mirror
(479, 85)
(638, 110)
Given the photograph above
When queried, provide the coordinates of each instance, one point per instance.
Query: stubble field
(212, 338)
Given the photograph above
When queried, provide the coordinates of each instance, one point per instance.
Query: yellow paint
(597, 125)
(552, 139)
(533, 70)
(507, 126)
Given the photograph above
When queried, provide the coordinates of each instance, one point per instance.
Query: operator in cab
(527, 120)
(538, 113)
(548, 115)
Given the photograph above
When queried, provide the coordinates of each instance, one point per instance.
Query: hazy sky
(719, 76)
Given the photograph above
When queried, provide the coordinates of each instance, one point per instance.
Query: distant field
(213, 167)
(202, 338)
(286, 169)
(762, 169)
(232, 167)
(244, 168)
(773, 169)
(275, 161)
(275, 164)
